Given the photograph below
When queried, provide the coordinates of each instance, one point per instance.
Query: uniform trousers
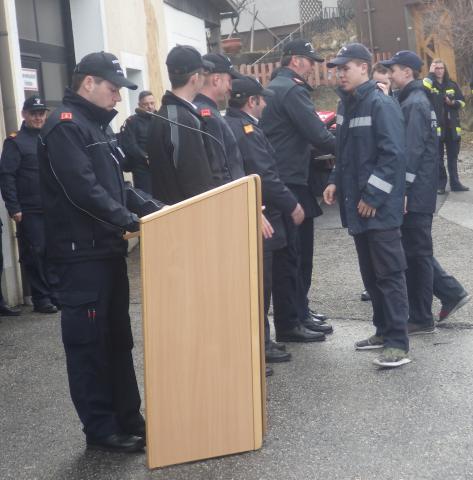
(286, 281)
(32, 246)
(382, 266)
(98, 342)
(417, 241)
(446, 287)
(305, 247)
(452, 146)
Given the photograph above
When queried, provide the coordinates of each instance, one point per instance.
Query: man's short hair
(379, 68)
(238, 102)
(285, 60)
(143, 94)
(78, 78)
(181, 80)
(360, 61)
(415, 73)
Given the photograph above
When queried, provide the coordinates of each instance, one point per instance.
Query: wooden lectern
(201, 268)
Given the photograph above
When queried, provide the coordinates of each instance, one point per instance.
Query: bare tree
(240, 5)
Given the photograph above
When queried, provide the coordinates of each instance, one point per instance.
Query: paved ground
(332, 414)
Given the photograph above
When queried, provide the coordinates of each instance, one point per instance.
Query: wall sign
(30, 79)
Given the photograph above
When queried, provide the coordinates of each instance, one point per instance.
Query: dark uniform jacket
(180, 154)
(258, 157)
(231, 161)
(448, 118)
(133, 140)
(19, 173)
(421, 148)
(292, 126)
(86, 201)
(370, 159)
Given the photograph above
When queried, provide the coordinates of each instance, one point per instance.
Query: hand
(298, 215)
(266, 227)
(365, 210)
(432, 68)
(384, 88)
(330, 194)
(17, 217)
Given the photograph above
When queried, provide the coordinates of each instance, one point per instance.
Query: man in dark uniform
(293, 127)
(184, 158)
(369, 182)
(87, 208)
(216, 89)
(134, 138)
(245, 108)
(448, 100)
(19, 182)
(421, 187)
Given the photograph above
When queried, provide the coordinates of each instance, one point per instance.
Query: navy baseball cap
(407, 58)
(34, 103)
(184, 59)
(221, 64)
(302, 48)
(246, 86)
(352, 51)
(104, 65)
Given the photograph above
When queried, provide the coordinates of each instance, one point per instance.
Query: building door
(430, 44)
(46, 47)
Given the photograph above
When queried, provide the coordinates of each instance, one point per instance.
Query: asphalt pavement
(331, 413)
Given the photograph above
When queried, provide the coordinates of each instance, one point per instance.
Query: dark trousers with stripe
(446, 287)
(382, 266)
(417, 241)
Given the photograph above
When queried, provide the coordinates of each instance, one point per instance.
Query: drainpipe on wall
(368, 11)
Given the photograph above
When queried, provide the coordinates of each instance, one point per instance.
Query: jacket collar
(237, 113)
(170, 99)
(89, 109)
(409, 88)
(204, 99)
(289, 73)
(360, 92)
(29, 130)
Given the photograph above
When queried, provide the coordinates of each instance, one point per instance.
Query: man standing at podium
(87, 209)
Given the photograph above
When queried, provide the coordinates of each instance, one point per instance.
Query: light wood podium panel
(201, 264)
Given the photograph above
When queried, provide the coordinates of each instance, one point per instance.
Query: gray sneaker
(392, 358)
(414, 329)
(371, 343)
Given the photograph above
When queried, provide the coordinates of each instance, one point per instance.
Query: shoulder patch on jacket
(13, 135)
(66, 116)
(248, 129)
(206, 112)
(298, 81)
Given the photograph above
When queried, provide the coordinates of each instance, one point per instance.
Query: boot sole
(370, 347)
(300, 340)
(399, 363)
(422, 332)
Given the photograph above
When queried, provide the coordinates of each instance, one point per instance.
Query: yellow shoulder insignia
(13, 135)
(248, 129)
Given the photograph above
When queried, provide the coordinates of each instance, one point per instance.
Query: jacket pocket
(79, 317)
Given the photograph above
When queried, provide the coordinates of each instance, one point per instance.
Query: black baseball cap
(352, 51)
(104, 65)
(221, 64)
(245, 87)
(183, 59)
(407, 58)
(35, 103)
(302, 48)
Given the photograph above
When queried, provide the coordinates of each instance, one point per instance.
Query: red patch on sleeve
(206, 112)
(66, 116)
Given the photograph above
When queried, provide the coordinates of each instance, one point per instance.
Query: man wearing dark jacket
(369, 182)
(216, 89)
(245, 107)
(134, 138)
(421, 187)
(19, 182)
(182, 154)
(293, 128)
(87, 209)
(448, 100)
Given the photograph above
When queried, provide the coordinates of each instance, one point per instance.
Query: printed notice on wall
(30, 79)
